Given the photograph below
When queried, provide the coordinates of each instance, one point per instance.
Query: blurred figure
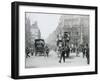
(77, 51)
(27, 52)
(84, 51)
(62, 56)
(67, 51)
(71, 48)
(87, 54)
(47, 50)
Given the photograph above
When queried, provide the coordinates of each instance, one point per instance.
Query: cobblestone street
(53, 61)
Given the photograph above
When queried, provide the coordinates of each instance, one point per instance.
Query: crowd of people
(64, 48)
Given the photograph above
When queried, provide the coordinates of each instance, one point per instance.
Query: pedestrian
(87, 54)
(62, 56)
(84, 51)
(47, 50)
(77, 51)
(27, 52)
(67, 51)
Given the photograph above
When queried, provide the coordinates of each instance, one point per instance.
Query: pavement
(53, 61)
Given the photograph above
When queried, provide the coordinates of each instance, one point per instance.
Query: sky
(47, 23)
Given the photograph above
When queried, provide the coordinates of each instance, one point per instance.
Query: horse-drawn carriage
(39, 46)
(63, 41)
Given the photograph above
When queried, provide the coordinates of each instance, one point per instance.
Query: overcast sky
(47, 23)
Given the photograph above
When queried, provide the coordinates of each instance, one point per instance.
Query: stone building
(77, 26)
(35, 32)
(32, 32)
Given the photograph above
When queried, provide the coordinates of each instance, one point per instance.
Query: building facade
(32, 32)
